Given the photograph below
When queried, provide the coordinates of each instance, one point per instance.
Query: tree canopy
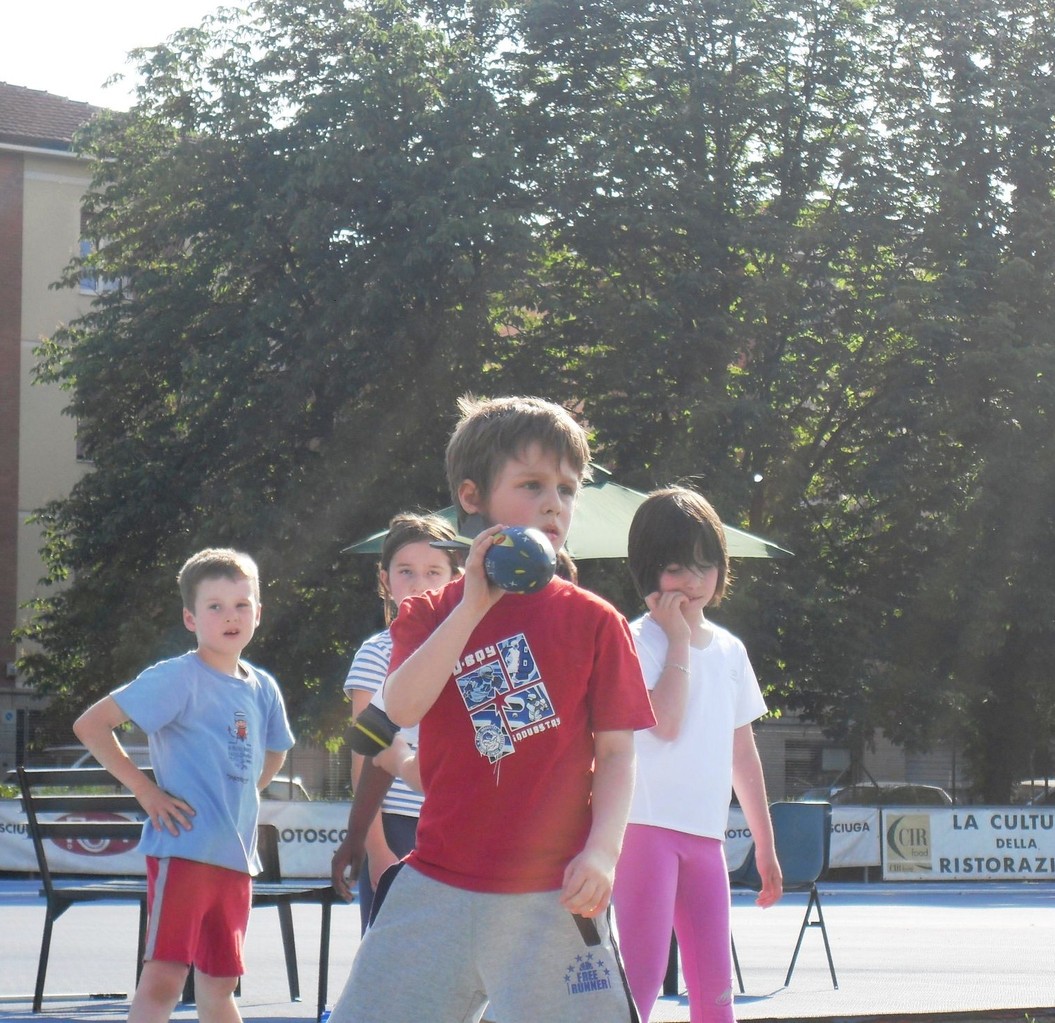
(799, 253)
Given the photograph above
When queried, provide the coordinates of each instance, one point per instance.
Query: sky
(70, 48)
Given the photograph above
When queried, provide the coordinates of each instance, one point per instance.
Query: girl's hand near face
(670, 611)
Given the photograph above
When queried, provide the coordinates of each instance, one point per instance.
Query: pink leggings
(668, 879)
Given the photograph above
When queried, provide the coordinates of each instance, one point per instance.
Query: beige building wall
(48, 465)
(796, 755)
(44, 191)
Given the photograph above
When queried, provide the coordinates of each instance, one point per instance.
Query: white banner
(966, 843)
(102, 856)
(308, 833)
(855, 837)
(953, 843)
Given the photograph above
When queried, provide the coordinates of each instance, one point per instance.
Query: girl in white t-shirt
(672, 871)
(408, 566)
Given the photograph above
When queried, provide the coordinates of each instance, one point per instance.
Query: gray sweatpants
(438, 954)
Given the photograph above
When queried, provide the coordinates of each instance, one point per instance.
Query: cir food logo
(908, 847)
(95, 846)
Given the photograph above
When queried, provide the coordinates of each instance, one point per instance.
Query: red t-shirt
(506, 751)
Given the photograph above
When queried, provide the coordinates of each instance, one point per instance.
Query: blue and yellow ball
(521, 560)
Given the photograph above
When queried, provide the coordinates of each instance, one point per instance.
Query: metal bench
(87, 805)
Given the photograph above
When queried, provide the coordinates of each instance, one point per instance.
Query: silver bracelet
(677, 667)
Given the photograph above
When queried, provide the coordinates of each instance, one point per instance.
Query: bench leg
(42, 963)
(670, 980)
(289, 947)
(736, 963)
(324, 959)
(815, 900)
(188, 997)
(141, 947)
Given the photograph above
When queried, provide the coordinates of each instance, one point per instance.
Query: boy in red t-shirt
(526, 757)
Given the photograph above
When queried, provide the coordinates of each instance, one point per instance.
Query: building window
(803, 766)
(90, 285)
(84, 451)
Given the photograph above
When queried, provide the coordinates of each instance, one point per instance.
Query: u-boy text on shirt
(505, 696)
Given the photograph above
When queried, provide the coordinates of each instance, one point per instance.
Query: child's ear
(188, 620)
(469, 497)
(382, 578)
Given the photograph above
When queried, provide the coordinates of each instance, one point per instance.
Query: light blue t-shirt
(208, 733)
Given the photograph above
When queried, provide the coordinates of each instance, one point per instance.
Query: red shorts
(198, 914)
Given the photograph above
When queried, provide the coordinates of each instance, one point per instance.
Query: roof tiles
(31, 117)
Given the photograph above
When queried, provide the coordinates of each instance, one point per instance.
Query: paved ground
(900, 951)
(909, 952)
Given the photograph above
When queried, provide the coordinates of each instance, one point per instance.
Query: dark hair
(493, 430)
(676, 526)
(215, 563)
(566, 567)
(408, 527)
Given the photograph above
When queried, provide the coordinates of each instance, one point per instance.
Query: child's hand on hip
(165, 811)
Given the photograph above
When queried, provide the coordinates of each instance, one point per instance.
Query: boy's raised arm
(95, 728)
(588, 878)
(414, 686)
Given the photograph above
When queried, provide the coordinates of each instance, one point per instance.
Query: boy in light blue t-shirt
(218, 733)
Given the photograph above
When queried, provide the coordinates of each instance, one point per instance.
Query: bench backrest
(75, 804)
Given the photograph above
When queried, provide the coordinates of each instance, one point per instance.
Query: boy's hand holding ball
(520, 560)
(517, 559)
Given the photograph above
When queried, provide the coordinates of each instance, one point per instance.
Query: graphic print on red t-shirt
(505, 696)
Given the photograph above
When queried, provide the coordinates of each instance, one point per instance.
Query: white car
(280, 787)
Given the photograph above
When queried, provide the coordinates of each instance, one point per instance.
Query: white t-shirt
(368, 672)
(685, 784)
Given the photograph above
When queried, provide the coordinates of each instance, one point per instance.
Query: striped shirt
(368, 672)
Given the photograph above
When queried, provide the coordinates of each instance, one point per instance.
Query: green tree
(985, 239)
(799, 253)
(780, 249)
(725, 285)
(309, 214)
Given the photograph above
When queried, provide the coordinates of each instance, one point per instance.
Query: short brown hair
(676, 526)
(215, 563)
(493, 430)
